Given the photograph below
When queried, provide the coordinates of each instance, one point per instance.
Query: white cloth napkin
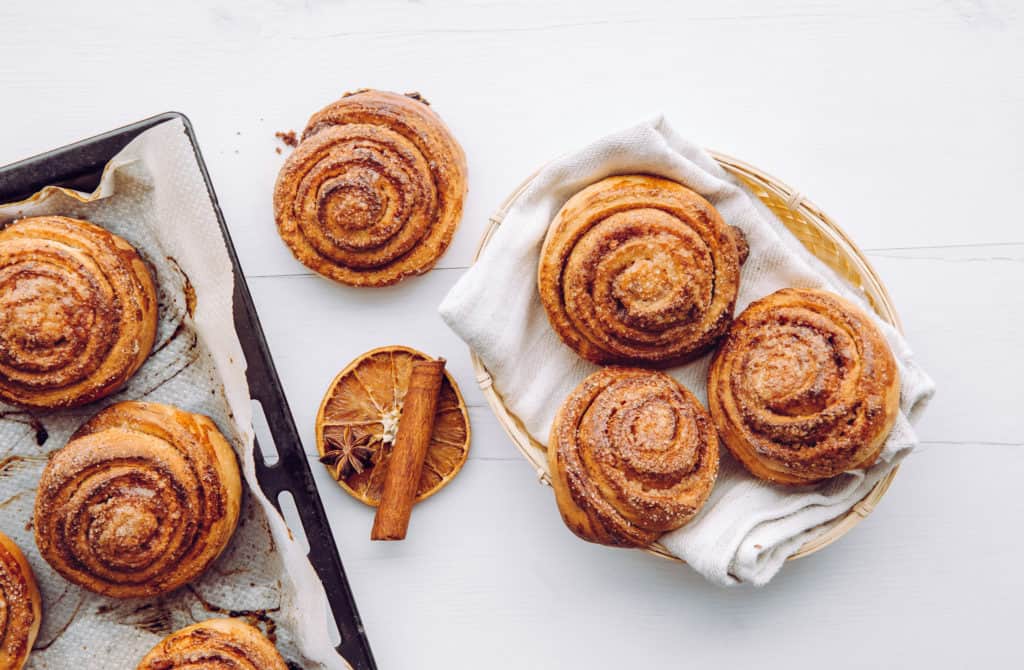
(748, 527)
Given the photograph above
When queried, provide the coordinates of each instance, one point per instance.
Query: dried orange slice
(358, 421)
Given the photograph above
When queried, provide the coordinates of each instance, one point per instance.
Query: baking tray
(80, 166)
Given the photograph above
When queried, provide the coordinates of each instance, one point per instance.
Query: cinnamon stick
(415, 427)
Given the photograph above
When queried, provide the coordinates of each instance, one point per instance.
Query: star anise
(348, 453)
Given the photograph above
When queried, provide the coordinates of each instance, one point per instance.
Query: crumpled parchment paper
(153, 195)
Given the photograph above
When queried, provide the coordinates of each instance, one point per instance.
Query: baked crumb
(416, 95)
(288, 137)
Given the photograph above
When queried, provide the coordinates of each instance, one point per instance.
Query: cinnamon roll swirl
(20, 606)
(804, 387)
(633, 455)
(374, 191)
(140, 501)
(78, 312)
(639, 269)
(216, 644)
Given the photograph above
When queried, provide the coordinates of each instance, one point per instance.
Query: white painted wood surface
(901, 119)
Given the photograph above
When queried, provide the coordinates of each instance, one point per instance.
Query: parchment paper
(153, 195)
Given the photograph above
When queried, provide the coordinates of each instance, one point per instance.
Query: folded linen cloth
(748, 527)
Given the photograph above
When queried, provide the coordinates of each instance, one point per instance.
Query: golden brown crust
(804, 387)
(78, 312)
(639, 269)
(140, 501)
(633, 455)
(20, 606)
(374, 191)
(216, 644)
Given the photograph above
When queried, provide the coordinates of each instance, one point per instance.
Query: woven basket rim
(871, 286)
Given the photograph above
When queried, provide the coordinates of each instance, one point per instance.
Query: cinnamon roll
(78, 312)
(633, 455)
(804, 387)
(374, 191)
(216, 644)
(20, 606)
(140, 501)
(639, 269)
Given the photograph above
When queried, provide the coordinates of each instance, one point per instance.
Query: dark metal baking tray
(80, 166)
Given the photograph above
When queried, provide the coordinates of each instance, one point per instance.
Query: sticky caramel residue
(253, 617)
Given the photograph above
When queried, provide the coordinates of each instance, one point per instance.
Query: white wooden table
(901, 119)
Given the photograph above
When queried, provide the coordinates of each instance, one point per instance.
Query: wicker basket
(822, 237)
